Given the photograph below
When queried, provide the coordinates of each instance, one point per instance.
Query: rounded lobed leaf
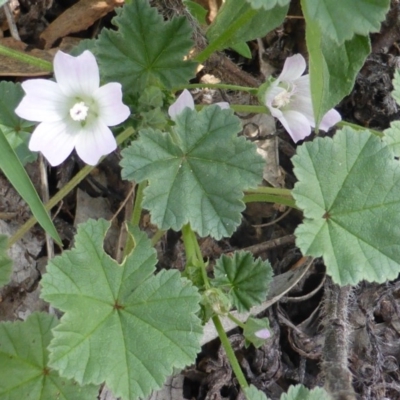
(349, 189)
(24, 369)
(245, 279)
(146, 49)
(196, 174)
(122, 324)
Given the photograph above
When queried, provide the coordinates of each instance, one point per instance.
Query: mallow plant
(122, 323)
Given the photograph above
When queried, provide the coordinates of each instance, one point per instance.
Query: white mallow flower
(74, 112)
(184, 100)
(288, 98)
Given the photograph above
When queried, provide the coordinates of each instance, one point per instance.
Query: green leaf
(16, 174)
(396, 85)
(199, 12)
(24, 369)
(197, 173)
(392, 135)
(349, 189)
(392, 138)
(252, 393)
(15, 128)
(146, 49)
(254, 326)
(122, 324)
(243, 49)
(333, 68)
(300, 392)
(342, 19)
(5, 262)
(245, 279)
(267, 4)
(238, 22)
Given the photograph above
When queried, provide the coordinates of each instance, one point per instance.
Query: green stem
(82, 174)
(27, 59)
(242, 108)
(251, 90)
(193, 252)
(271, 190)
(221, 41)
(342, 124)
(135, 219)
(238, 322)
(268, 198)
(157, 236)
(137, 209)
(229, 352)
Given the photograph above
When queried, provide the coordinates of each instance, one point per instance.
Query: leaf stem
(82, 174)
(238, 322)
(27, 59)
(221, 41)
(268, 198)
(193, 253)
(137, 209)
(242, 108)
(342, 124)
(135, 219)
(157, 236)
(229, 352)
(225, 86)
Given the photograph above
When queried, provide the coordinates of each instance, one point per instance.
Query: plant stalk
(229, 352)
(82, 174)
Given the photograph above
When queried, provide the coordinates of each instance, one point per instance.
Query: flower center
(283, 98)
(79, 111)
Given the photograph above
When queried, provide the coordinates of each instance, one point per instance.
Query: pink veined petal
(293, 68)
(76, 76)
(303, 87)
(332, 117)
(43, 101)
(112, 111)
(184, 100)
(55, 140)
(303, 105)
(95, 141)
(296, 125)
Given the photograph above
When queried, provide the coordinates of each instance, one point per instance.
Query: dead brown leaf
(13, 67)
(78, 18)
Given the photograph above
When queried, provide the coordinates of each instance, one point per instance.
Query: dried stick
(338, 378)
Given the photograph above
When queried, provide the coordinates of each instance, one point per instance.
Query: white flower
(74, 112)
(288, 99)
(184, 100)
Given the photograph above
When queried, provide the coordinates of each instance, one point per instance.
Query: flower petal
(271, 93)
(263, 333)
(55, 140)
(293, 68)
(223, 105)
(296, 125)
(184, 100)
(76, 76)
(303, 85)
(43, 101)
(112, 111)
(95, 141)
(303, 105)
(332, 117)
